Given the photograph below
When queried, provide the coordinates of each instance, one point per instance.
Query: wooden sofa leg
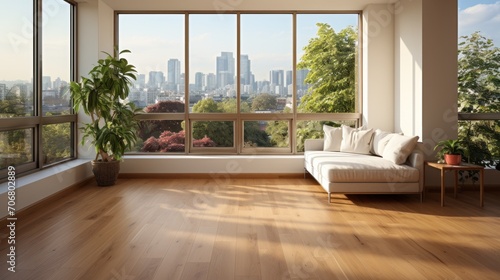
(329, 197)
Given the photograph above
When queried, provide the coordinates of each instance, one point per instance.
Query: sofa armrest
(416, 159)
(313, 145)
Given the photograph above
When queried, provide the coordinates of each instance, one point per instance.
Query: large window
(256, 82)
(36, 121)
(479, 83)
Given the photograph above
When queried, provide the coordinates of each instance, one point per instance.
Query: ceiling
(240, 5)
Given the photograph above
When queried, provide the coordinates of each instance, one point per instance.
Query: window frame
(239, 117)
(37, 120)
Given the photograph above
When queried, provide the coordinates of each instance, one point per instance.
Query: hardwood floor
(254, 229)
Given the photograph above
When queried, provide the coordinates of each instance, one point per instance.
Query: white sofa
(364, 173)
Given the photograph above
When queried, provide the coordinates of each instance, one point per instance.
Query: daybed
(357, 161)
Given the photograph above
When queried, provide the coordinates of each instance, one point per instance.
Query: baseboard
(25, 212)
(211, 175)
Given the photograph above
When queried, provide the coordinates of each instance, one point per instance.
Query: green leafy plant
(450, 146)
(102, 96)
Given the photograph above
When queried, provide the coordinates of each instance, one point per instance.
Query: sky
(265, 38)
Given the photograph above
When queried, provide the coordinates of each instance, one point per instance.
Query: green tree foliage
(220, 132)
(254, 136)
(207, 105)
(15, 147)
(13, 105)
(229, 105)
(479, 92)
(331, 60)
(264, 102)
(278, 131)
(56, 142)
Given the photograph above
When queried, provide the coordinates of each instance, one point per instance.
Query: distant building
(211, 81)
(46, 83)
(199, 81)
(301, 77)
(140, 82)
(245, 69)
(174, 71)
(289, 78)
(225, 69)
(156, 79)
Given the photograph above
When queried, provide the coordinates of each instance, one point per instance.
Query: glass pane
(164, 136)
(266, 62)
(326, 63)
(161, 135)
(212, 61)
(16, 56)
(482, 141)
(213, 134)
(156, 43)
(56, 142)
(56, 66)
(16, 147)
(314, 130)
(266, 134)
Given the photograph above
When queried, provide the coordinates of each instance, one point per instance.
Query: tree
(479, 92)
(264, 102)
(229, 106)
(56, 142)
(278, 131)
(14, 105)
(207, 105)
(331, 60)
(156, 127)
(220, 132)
(478, 75)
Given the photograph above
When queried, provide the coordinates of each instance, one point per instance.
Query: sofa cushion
(356, 140)
(380, 140)
(357, 168)
(399, 148)
(333, 137)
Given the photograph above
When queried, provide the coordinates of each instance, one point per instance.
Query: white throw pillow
(333, 137)
(399, 148)
(380, 140)
(356, 140)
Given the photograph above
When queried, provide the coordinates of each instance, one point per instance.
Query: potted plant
(451, 151)
(112, 126)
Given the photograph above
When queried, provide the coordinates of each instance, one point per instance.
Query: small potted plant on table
(451, 151)
(112, 126)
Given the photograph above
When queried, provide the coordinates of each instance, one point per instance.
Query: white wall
(95, 36)
(440, 68)
(378, 67)
(426, 70)
(408, 68)
(213, 164)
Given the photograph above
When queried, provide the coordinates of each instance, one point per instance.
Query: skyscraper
(289, 78)
(156, 79)
(225, 69)
(211, 81)
(301, 76)
(199, 81)
(245, 68)
(173, 71)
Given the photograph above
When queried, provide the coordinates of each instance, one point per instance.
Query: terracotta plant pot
(452, 159)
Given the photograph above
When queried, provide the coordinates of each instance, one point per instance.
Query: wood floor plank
(251, 228)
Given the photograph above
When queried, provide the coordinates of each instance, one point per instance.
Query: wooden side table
(463, 167)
